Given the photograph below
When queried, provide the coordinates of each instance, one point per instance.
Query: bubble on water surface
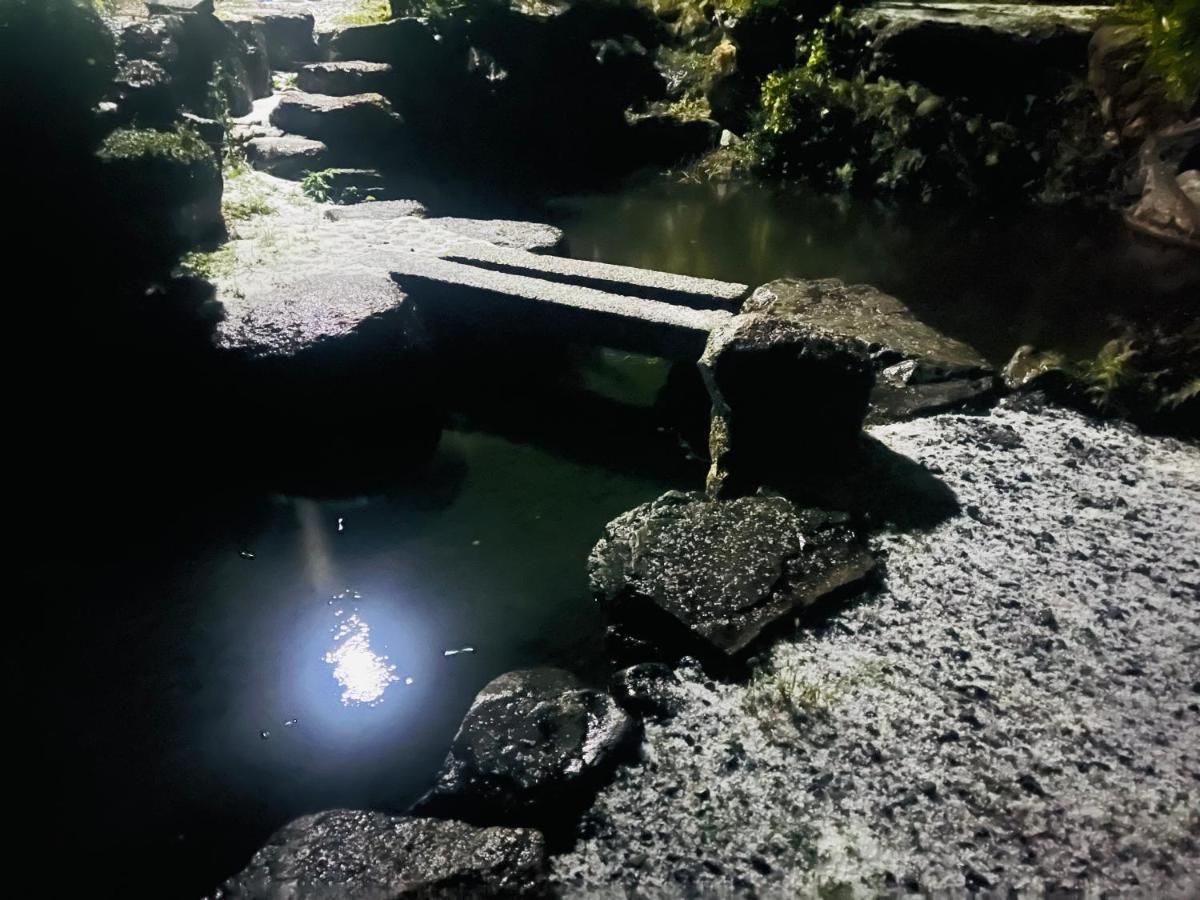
(246, 554)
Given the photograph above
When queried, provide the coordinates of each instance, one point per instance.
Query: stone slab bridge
(463, 277)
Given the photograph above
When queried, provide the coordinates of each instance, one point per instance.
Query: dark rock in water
(372, 856)
(788, 400)
(686, 573)
(379, 210)
(343, 79)
(288, 156)
(648, 689)
(362, 118)
(919, 369)
(532, 236)
(533, 747)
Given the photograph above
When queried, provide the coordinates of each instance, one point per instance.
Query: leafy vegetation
(369, 12)
(318, 186)
(786, 693)
(1172, 32)
(182, 145)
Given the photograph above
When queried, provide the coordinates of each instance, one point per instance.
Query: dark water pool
(258, 657)
(1056, 279)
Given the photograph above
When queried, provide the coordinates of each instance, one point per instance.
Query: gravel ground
(1017, 709)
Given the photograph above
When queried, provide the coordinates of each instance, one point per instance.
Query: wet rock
(919, 369)
(370, 856)
(342, 79)
(379, 210)
(648, 689)
(317, 311)
(288, 156)
(362, 118)
(687, 572)
(1034, 370)
(533, 747)
(1166, 210)
(788, 399)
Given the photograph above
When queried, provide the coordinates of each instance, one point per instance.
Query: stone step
(288, 156)
(347, 121)
(344, 79)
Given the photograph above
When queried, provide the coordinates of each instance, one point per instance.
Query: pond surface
(1053, 278)
(274, 655)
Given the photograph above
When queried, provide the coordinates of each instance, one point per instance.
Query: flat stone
(533, 237)
(686, 573)
(342, 79)
(309, 312)
(288, 156)
(376, 210)
(345, 120)
(534, 746)
(372, 856)
(473, 286)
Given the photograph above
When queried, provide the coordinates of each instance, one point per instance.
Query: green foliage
(1172, 32)
(210, 265)
(369, 12)
(1112, 370)
(239, 210)
(318, 186)
(182, 145)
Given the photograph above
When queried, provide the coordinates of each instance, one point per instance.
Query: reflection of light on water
(363, 674)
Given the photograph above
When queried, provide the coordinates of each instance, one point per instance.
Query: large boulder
(533, 747)
(252, 50)
(332, 373)
(689, 575)
(406, 42)
(994, 56)
(289, 37)
(371, 856)
(347, 121)
(919, 370)
(788, 400)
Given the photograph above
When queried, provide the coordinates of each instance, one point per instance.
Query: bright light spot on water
(363, 674)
